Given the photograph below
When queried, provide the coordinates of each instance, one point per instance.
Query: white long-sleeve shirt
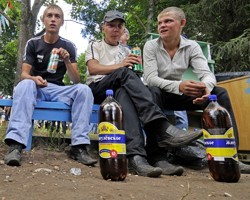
(166, 73)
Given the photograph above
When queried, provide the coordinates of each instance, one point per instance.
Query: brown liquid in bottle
(112, 147)
(220, 143)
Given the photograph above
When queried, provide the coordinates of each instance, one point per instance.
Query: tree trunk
(26, 30)
(150, 19)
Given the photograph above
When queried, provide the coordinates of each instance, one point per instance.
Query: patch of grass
(2, 132)
(53, 140)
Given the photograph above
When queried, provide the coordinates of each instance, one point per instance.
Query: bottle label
(219, 147)
(111, 140)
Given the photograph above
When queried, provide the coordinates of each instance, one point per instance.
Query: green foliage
(234, 54)
(7, 67)
(223, 23)
(2, 134)
(81, 68)
(8, 57)
(8, 49)
(15, 10)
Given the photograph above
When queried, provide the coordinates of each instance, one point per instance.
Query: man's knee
(83, 89)
(125, 71)
(25, 85)
(220, 92)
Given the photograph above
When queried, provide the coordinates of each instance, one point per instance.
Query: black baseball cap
(112, 15)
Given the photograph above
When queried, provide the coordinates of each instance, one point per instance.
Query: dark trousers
(137, 103)
(172, 101)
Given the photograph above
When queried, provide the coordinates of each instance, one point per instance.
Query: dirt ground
(45, 175)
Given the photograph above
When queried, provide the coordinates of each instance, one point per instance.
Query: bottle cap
(109, 92)
(212, 97)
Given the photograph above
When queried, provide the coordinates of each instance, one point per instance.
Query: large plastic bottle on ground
(220, 143)
(112, 146)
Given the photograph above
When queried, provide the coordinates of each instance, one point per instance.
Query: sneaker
(168, 168)
(80, 154)
(14, 157)
(140, 166)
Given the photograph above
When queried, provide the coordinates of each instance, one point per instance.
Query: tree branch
(7, 17)
(139, 20)
(70, 20)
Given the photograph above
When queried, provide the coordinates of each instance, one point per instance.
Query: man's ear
(183, 22)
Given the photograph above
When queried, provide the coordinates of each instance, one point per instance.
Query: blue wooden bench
(52, 111)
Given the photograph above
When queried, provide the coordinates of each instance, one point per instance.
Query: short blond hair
(178, 12)
(53, 6)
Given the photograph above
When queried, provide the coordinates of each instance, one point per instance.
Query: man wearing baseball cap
(109, 66)
(112, 15)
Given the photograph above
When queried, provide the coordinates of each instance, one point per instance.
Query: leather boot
(175, 137)
(80, 154)
(14, 155)
(140, 166)
(168, 168)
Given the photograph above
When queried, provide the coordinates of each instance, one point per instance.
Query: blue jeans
(25, 96)
(181, 119)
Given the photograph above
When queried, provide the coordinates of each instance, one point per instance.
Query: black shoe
(80, 154)
(168, 168)
(140, 166)
(14, 157)
(175, 137)
(244, 168)
(198, 164)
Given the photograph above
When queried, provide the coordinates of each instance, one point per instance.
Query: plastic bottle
(137, 68)
(112, 146)
(220, 143)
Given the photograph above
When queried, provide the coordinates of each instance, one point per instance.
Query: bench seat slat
(52, 105)
(5, 102)
(55, 115)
